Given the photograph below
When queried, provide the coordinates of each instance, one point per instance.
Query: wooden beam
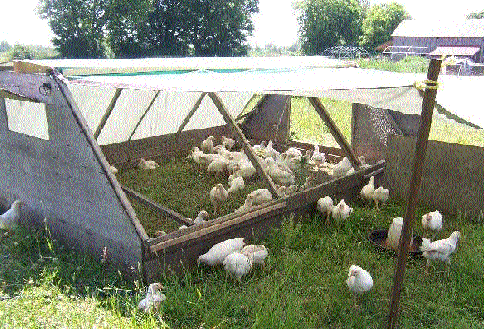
(171, 213)
(144, 114)
(415, 182)
(338, 136)
(108, 112)
(245, 143)
(190, 114)
(26, 67)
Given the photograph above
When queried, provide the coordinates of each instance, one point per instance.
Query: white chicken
(368, 190)
(220, 251)
(280, 175)
(260, 196)
(270, 151)
(218, 195)
(201, 158)
(201, 217)
(228, 143)
(259, 149)
(147, 164)
(9, 220)
(258, 253)
(432, 221)
(342, 168)
(293, 152)
(207, 144)
(153, 299)
(248, 203)
(218, 165)
(325, 206)
(318, 158)
(359, 281)
(341, 210)
(380, 195)
(237, 264)
(236, 183)
(440, 249)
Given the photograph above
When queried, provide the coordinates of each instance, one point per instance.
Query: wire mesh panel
(372, 126)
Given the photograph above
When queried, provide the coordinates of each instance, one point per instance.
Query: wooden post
(428, 104)
(340, 139)
(245, 143)
(144, 114)
(108, 112)
(190, 114)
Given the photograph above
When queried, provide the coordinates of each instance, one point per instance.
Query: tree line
(141, 28)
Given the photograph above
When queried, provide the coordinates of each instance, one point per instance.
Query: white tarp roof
(179, 91)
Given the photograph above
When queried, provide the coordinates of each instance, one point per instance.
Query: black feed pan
(379, 237)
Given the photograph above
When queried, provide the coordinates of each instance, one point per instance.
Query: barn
(435, 38)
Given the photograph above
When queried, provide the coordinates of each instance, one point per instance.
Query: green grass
(302, 287)
(411, 64)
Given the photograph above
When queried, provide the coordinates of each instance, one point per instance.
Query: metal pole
(428, 104)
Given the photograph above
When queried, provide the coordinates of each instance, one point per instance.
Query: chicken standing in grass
(228, 143)
(258, 253)
(432, 222)
(260, 196)
(236, 183)
(368, 190)
(237, 264)
(220, 251)
(218, 195)
(207, 144)
(9, 220)
(147, 164)
(359, 281)
(153, 299)
(341, 210)
(325, 206)
(440, 249)
(318, 158)
(342, 168)
(380, 195)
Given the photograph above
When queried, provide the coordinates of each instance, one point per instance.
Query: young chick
(201, 218)
(236, 184)
(237, 264)
(432, 221)
(147, 164)
(219, 251)
(368, 190)
(342, 168)
(341, 210)
(325, 205)
(258, 253)
(248, 203)
(218, 195)
(380, 195)
(153, 299)
(207, 144)
(113, 169)
(318, 158)
(228, 143)
(440, 249)
(359, 281)
(9, 220)
(260, 196)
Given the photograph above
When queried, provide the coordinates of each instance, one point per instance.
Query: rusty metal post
(428, 104)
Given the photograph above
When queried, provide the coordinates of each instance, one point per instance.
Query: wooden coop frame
(28, 82)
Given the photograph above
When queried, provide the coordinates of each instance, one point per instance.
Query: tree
(220, 27)
(476, 15)
(4, 46)
(380, 23)
(78, 26)
(327, 23)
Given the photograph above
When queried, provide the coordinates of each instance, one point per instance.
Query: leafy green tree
(380, 22)
(220, 27)
(476, 15)
(327, 23)
(4, 46)
(78, 26)
(22, 52)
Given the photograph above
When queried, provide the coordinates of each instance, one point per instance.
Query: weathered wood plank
(334, 130)
(245, 143)
(108, 112)
(171, 213)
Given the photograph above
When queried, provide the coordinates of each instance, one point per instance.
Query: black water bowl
(379, 238)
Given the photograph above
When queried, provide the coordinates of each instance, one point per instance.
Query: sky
(275, 23)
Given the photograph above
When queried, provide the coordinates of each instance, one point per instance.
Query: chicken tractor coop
(64, 123)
